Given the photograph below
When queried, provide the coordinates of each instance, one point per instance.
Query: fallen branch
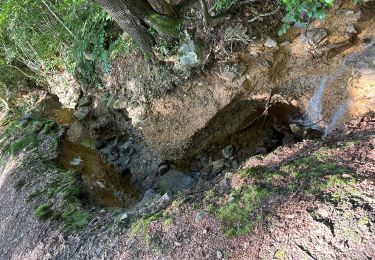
(264, 15)
(265, 113)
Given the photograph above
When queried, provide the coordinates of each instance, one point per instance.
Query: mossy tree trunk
(136, 17)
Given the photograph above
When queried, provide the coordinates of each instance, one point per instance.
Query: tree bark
(136, 17)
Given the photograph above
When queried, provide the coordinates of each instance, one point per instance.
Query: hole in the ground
(105, 185)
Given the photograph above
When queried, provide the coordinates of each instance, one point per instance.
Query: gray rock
(218, 165)
(351, 29)
(270, 43)
(219, 254)
(124, 216)
(261, 150)
(296, 130)
(175, 181)
(235, 165)
(191, 54)
(254, 54)
(82, 113)
(316, 36)
(84, 102)
(163, 168)
(206, 170)
(227, 76)
(228, 151)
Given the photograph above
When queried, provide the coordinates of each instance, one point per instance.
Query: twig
(265, 113)
(264, 15)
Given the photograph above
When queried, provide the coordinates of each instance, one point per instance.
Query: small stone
(124, 216)
(228, 151)
(270, 43)
(227, 76)
(84, 102)
(254, 54)
(219, 254)
(346, 176)
(218, 165)
(322, 213)
(177, 243)
(235, 165)
(206, 170)
(351, 29)
(261, 150)
(82, 113)
(316, 36)
(163, 168)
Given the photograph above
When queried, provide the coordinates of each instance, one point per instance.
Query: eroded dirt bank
(242, 162)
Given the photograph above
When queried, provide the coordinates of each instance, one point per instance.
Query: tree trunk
(135, 17)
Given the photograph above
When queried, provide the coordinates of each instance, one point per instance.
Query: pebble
(124, 216)
(270, 43)
(219, 254)
(177, 243)
(261, 150)
(228, 151)
(351, 29)
(218, 165)
(254, 54)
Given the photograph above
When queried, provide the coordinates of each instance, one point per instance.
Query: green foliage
(299, 11)
(51, 36)
(221, 5)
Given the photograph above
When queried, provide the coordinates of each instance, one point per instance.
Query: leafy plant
(299, 11)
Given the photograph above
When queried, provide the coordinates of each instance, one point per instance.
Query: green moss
(165, 25)
(75, 218)
(28, 140)
(43, 211)
(241, 214)
(280, 254)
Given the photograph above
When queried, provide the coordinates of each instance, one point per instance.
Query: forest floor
(312, 200)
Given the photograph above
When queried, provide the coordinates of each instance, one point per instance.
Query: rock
(82, 113)
(163, 168)
(270, 43)
(148, 196)
(177, 243)
(227, 76)
(310, 133)
(235, 165)
(219, 254)
(206, 170)
(191, 54)
(322, 213)
(66, 87)
(254, 54)
(228, 151)
(175, 181)
(316, 36)
(261, 150)
(156, 206)
(84, 102)
(114, 154)
(124, 216)
(351, 29)
(296, 130)
(218, 165)
(200, 215)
